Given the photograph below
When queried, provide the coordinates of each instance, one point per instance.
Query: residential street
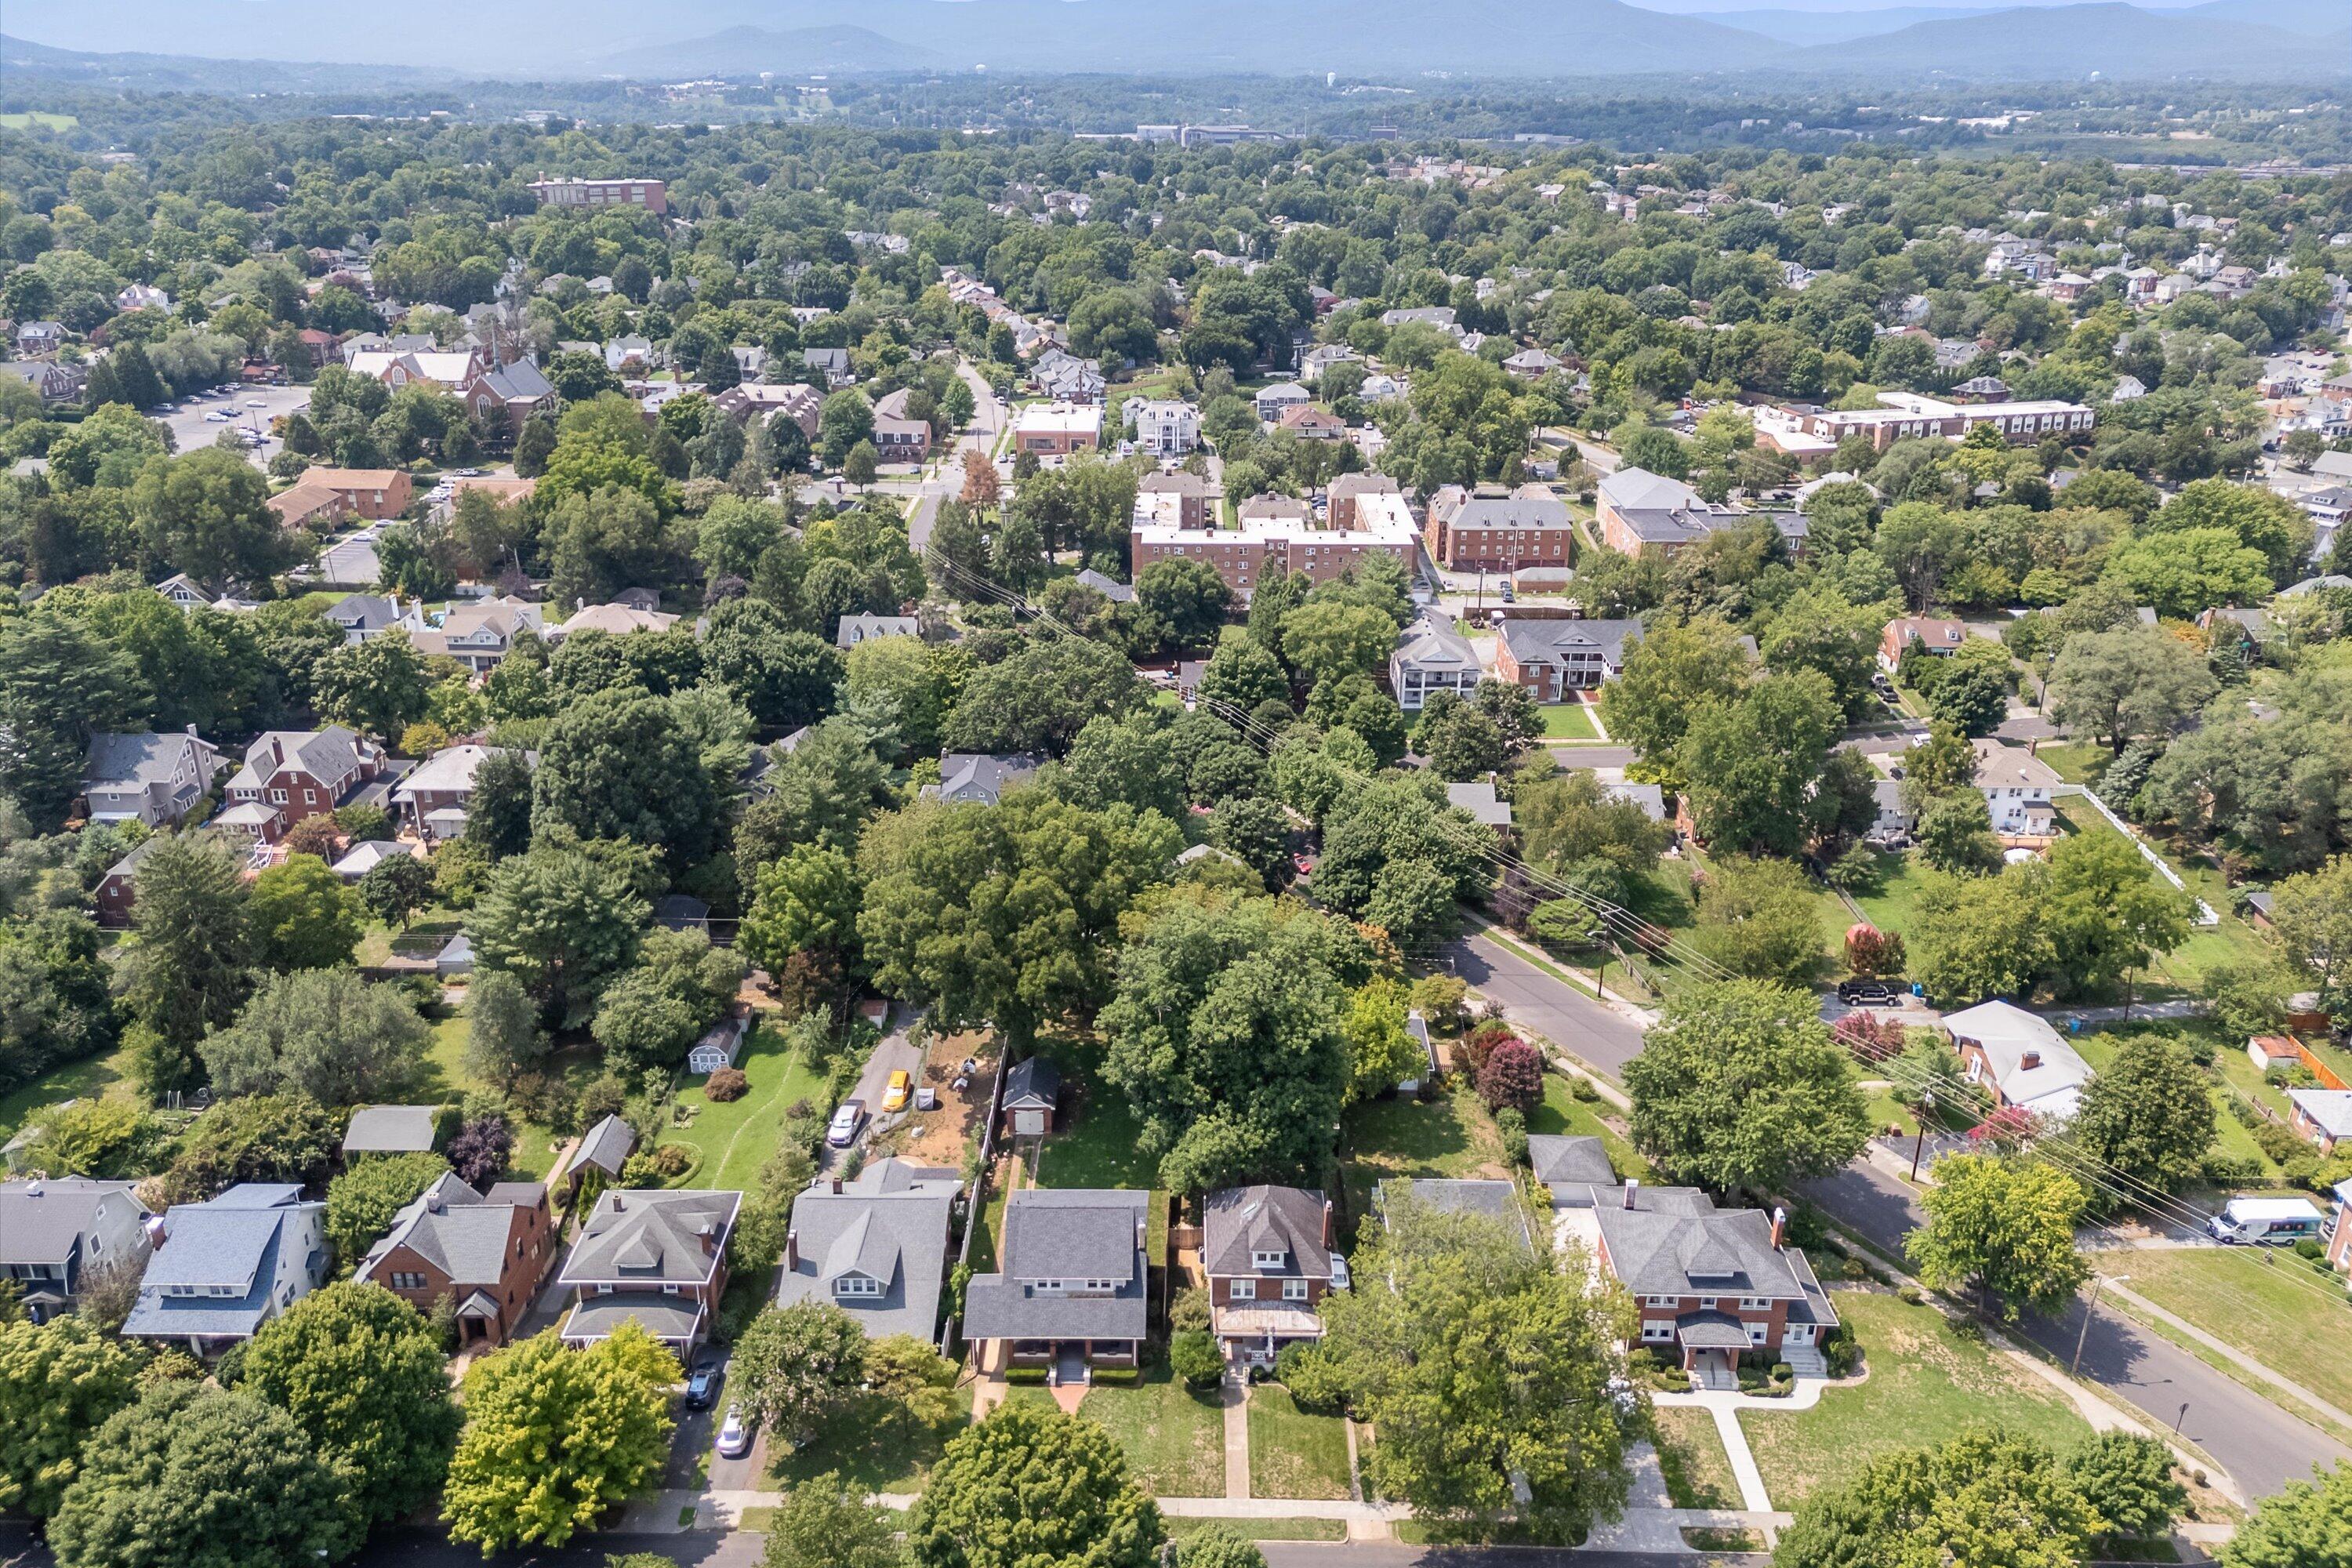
(987, 419)
(1566, 1016)
(2259, 1445)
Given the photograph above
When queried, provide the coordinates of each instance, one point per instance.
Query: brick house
(648, 196)
(1190, 493)
(1552, 659)
(2018, 1059)
(1937, 636)
(1270, 538)
(1072, 1291)
(292, 775)
(1528, 527)
(1339, 501)
(656, 1257)
(486, 1251)
(901, 440)
(1712, 1285)
(1267, 1252)
(376, 494)
(2324, 1116)
(764, 400)
(508, 395)
(434, 799)
(1056, 429)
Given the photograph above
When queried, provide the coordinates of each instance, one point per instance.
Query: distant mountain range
(440, 40)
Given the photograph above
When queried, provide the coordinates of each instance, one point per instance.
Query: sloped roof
(607, 1145)
(1239, 1222)
(1557, 1160)
(1065, 1234)
(390, 1130)
(41, 1221)
(1033, 1081)
(2009, 1034)
(145, 758)
(1671, 1242)
(653, 1236)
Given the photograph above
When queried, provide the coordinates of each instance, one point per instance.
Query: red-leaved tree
(1512, 1077)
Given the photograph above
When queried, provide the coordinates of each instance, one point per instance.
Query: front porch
(1070, 1360)
(1254, 1335)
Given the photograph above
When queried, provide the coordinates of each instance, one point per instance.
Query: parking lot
(190, 430)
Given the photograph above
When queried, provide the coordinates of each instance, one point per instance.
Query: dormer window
(857, 1285)
(1268, 1259)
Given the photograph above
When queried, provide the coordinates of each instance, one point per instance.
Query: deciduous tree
(799, 1364)
(324, 1033)
(59, 1382)
(2004, 1224)
(1031, 1485)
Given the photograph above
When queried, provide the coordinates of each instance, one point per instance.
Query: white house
(2020, 1059)
(2017, 788)
(1164, 427)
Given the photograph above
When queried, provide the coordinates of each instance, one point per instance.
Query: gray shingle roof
(1066, 1235)
(982, 776)
(890, 1225)
(40, 1222)
(657, 1237)
(1240, 1222)
(1549, 642)
(1673, 1242)
(1558, 1159)
(607, 1145)
(663, 1317)
(137, 759)
(1033, 1082)
(465, 1236)
(390, 1130)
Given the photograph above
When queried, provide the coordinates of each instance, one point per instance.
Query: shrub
(480, 1151)
(2278, 1141)
(1583, 1089)
(2309, 1247)
(1512, 1077)
(1483, 1038)
(726, 1084)
(1512, 1125)
(1911, 1294)
(1025, 1375)
(1115, 1376)
(1311, 1378)
(1869, 1038)
(1193, 1356)
(1190, 1309)
(1873, 954)
(1839, 1351)
(2231, 1170)
(1441, 999)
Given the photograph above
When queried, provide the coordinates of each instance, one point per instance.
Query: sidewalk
(2235, 1357)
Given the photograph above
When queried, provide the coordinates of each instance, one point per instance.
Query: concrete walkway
(1724, 1406)
(1660, 1529)
(2235, 1357)
(1235, 1397)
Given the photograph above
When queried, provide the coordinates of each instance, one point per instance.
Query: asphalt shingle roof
(1239, 1222)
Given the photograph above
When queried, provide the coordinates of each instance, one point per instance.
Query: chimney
(1780, 1228)
(155, 1230)
(792, 1249)
(709, 1236)
(432, 1202)
(1633, 1187)
(1327, 1225)
(833, 1185)
(33, 1188)
(2029, 1061)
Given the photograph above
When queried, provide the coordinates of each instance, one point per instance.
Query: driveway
(894, 1052)
(190, 430)
(1592, 1032)
(2261, 1445)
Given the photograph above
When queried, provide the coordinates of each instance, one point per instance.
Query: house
(876, 1246)
(1064, 377)
(1118, 593)
(1530, 364)
(2018, 787)
(221, 1269)
(832, 364)
(436, 798)
(480, 634)
(1479, 799)
(1493, 1201)
(1272, 402)
(54, 1234)
(857, 629)
(604, 1148)
(652, 1256)
(364, 616)
(1938, 636)
(1572, 1168)
(392, 1129)
(2019, 1059)
(55, 382)
(485, 1252)
(294, 774)
(719, 1045)
(358, 859)
(1164, 427)
(1489, 531)
(619, 620)
(324, 494)
(118, 889)
(1351, 494)
(1711, 1285)
(1311, 424)
(1551, 658)
(40, 337)
(1268, 1255)
(1032, 1090)
(1429, 659)
(1056, 429)
(508, 394)
(2239, 632)
(146, 777)
(1423, 315)
(1636, 510)
(899, 440)
(2321, 1115)
(798, 403)
(980, 777)
(1072, 1292)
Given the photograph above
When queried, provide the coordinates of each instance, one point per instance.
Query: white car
(734, 1434)
(257, 403)
(842, 1131)
(218, 416)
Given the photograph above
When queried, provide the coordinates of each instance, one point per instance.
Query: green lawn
(1890, 902)
(1568, 722)
(447, 1080)
(1691, 1458)
(100, 1075)
(25, 122)
(1094, 1141)
(1263, 1528)
(2270, 1306)
(1174, 1441)
(1381, 1139)
(2077, 761)
(1561, 1114)
(873, 1444)
(735, 1139)
(1925, 1381)
(1294, 1454)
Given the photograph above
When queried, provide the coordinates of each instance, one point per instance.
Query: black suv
(1868, 993)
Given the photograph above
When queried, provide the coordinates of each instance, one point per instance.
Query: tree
(325, 1033)
(1004, 913)
(2184, 573)
(361, 1373)
(59, 684)
(1511, 1078)
(1185, 600)
(1979, 1499)
(377, 686)
(2128, 1479)
(1324, 639)
(479, 1152)
(183, 969)
(1193, 1356)
(1460, 741)
(797, 1365)
(303, 915)
(259, 1138)
(824, 1523)
(1754, 764)
(1130, 760)
(362, 1202)
(2299, 1526)
(1030, 1485)
(2149, 1116)
(395, 887)
(1758, 919)
(1381, 1050)
(1041, 697)
(1487, 1369)
(807, 901)
(1979, 936)
(1225, 1039)
(564, 920)
(784, 678)
(207, 514)
(1240, 675)
(2313, 913)
(2005, 1223)
(1256, 831)
(197, 1476)
(620, 764)
(2255, 517)
(553, 1436)
(821, 792)
(1972, 697)
(104, 1139)
(2106, 912)
(59, 1382)
(1218, 1546)
(2134, 680)
(1739, 1085)
(845, 420)
(502, 1034)
(1955, 834)
(649, 1018)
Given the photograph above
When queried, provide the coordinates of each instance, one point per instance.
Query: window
(1756, 1332)
(277, 797)
(1654, 1332)
(669, 1289)
(1756, 1303)
(1707, 1303)
(1667, 1301)
(857, 1285)
(1241, 1291)
(1293, 1289)
(1267, 1259)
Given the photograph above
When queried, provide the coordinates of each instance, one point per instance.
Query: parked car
(1868, 994)
(2265, 1221)
(901, 1086)
(843, 1129)
(257, 403)
(702, 1386)
(734, 1434)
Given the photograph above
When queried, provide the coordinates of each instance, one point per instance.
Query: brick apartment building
(1274, 538)
(1477, 531)
(651, 195)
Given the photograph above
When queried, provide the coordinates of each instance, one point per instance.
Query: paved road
(987, 419)
(2259, 1445)
(1561, 1012)
(1384, 1554)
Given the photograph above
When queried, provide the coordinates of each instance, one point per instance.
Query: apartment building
(1907, 416)
(1489, 531)
(649, 195)
(1276, 539)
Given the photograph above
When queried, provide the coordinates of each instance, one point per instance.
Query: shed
(1032, 1090)
(718, 1046)
(607, 1147)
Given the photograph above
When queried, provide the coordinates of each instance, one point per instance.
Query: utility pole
(1926, 1104)
(2096, 1282)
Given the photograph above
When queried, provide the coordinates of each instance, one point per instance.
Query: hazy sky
(1716, 6)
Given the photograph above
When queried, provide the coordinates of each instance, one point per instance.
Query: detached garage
(1032, 1088)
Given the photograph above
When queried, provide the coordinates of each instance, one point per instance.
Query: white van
(2265, 1221)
